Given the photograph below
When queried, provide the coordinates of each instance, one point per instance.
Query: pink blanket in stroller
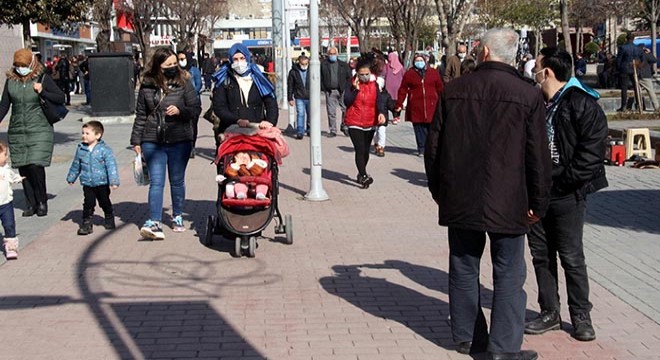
(269, 141)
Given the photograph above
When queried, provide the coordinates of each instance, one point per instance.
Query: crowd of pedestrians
(531, 151)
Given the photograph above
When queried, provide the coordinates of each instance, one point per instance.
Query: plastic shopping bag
(140, 171)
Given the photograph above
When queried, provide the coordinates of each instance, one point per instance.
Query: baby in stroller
(244, 163)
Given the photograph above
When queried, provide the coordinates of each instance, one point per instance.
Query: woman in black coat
(162, 132)
(242, 94)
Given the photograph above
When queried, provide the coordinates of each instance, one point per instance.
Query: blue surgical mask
(420, 64)
(23, 71)
(332, 58)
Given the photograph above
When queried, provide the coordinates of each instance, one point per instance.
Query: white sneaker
(152, 230)
(177, 225)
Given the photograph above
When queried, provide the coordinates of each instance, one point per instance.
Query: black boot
(109, 222)
(29, 211)
(546, 321)
(42, 209)
(583, 330)
(86, 227)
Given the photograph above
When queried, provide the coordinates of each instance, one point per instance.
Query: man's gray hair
(502, 44)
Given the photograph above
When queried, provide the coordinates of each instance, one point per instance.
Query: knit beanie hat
(23, 57)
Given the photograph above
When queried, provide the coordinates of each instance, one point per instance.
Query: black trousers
(207, 81)
(625, 81)
(361, 140)
(64, 86)
(507, 318)
(560, 233)
(34, 184)
(194, 123)
(92, 195)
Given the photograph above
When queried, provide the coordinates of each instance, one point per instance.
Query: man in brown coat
(488, 168)
(453, 68)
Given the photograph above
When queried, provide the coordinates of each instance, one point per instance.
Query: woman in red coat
(422, 86)
(365, 110)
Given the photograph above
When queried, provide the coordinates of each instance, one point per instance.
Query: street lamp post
(316, 191)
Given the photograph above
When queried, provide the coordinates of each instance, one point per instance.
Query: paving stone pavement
(366, 276)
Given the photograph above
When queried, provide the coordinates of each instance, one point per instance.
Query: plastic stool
(638, 142)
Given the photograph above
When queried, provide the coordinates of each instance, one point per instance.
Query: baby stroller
(243, 218)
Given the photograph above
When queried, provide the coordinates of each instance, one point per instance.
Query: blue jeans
(507, 318)
(88, 91)
(8, 220)
(421, 131)
(302, 113)
(174, 159)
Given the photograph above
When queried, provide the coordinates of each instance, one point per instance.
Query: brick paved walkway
(366, 277)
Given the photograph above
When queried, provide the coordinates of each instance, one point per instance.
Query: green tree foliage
(591, 48)
(50, 12)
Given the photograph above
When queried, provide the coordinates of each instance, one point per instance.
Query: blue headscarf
(263, 84)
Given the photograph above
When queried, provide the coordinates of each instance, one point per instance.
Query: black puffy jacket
(580, 132)
(229, 105)
(178, 127)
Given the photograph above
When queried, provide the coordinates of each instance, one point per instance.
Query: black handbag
(54, 112)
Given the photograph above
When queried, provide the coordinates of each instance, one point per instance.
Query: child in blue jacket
(95, 163)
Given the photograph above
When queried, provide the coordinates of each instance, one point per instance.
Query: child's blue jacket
(95, 168)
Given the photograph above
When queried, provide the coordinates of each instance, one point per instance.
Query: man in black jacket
(624, 62)
(298, 90)
(577, 128)
(489, 170)
(335, 74)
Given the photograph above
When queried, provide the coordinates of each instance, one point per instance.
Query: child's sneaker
(177, 224)
(152, 230)
(11, 248)
(86, 227)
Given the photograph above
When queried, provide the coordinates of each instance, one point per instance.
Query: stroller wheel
(252, 246)
(288, 227)
(237, 248)
(207, 240)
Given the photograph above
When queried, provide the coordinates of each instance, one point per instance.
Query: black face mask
(171, 73)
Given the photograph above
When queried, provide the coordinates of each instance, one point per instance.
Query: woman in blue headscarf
(242, 94)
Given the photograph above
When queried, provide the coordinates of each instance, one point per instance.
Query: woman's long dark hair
(160, 56)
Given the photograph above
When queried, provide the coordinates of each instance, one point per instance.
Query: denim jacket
(95, 168)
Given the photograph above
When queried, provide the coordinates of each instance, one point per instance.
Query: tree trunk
(537, 42)
(563, 9)
(27, 39)
(362, 39)
(654, 32)
(103, 41)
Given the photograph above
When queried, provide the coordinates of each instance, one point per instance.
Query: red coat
(363, 105)
(423, 95)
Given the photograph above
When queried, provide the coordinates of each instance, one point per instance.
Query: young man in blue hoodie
(577, 128)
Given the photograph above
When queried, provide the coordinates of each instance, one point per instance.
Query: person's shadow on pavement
(425, 315)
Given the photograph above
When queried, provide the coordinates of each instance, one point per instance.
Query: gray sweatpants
(334, 100)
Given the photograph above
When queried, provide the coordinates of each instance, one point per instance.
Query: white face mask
(240, 67)
(462, 55)
(540, 83)
(23, 71)
(183, 63)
